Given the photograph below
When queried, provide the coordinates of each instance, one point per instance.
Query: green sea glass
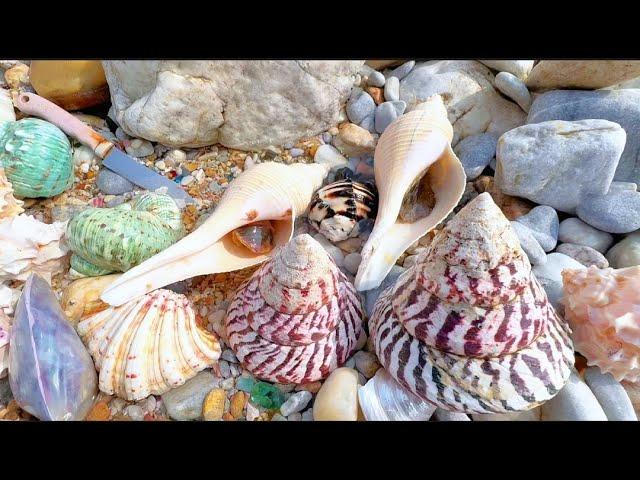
(267, 396)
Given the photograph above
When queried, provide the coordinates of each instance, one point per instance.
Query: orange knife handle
(33, 104)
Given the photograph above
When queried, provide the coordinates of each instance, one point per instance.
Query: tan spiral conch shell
(468, 327)
(297, 318)
(148, 346)
(415, 150)
(9, 206)
(603, 309)
(268, 191)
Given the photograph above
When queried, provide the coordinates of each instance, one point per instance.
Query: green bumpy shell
(36, 157)
(106, 240)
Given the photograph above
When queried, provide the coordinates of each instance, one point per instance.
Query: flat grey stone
(370, 296)
(616, 212)
(574, 230)
(392, 89)
(587, 256)
(611, 396)
(575, 402)
(557, 163)
(529, 244)
(544, 224)
(185, 402)
(110, 183)
(476, 152)
(620, 106)
(359, 107)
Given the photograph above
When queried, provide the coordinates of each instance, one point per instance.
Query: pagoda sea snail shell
(268, 191)
(105, 240)
(297, 318)
(148, 346)
(36, 157)
(420, 181)
(337, 208)
(602, 307)
(468, 327)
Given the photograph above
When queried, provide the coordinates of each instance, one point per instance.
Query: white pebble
(151, 403)
(161, 165)
(295, 417)
(199, 175)
(612, 396)
(296, 403)
(84, 168)
(252, 412)
(574, 402)
(227, 383)
(135, 413)
(187, 180)
(307, 416)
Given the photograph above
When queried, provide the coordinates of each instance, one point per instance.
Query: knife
(112, 157)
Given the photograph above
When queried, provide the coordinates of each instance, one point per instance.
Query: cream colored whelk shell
(148, 346)
(414, 152)
(268, 191)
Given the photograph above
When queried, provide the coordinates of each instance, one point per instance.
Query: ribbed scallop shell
(36, 156)
(9, 206)
(297, 318)
(105, 240)
(603, 308)
(337, 208)
(268, 191)
(469, 328)
(148, 346)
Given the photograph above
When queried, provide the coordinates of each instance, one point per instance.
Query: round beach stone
(583, 254)
(513, 88)
(376, 79)
(625, 253)
(360, 106)
(392, 89)
(385, 114)
(611, 396)
(529, 244)
(616, 212)
(110, 183)
(574, 230)
(475, 153)
(544, 224)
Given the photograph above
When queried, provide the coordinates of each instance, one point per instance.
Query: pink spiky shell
(297, 318)
(603, 309)
(468, 327)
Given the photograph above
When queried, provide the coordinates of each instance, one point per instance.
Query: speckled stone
(110, 183)
(583, 254)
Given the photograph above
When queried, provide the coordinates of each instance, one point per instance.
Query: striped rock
(337, 208)
(468, 327)
(297, 318)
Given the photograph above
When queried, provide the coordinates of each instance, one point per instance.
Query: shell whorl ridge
(148, 345)
(9, 206)
(469, 328)
(603, 308)
(337, 208)
(297, 318)
(105, 240)
(36, 156)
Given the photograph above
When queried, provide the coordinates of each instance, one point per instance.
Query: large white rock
(466, 87)
(244, 104)
(588, 74)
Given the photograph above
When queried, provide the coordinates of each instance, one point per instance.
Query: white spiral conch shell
(384, 399)
(414, 148)
(30, 246)
(268, 191)
(9, 206)
(148, 346)
(603, 308)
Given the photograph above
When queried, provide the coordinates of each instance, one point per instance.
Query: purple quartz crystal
(51, 373)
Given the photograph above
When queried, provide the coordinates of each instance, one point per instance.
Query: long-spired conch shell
(9, 206)
(28, 245)
(468, 327)
(269, 191)
(297, 318)
(384, 399)
(602, 307)
(148, 346)
(420, 181)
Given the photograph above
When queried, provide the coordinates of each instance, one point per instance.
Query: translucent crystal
(51, 373)
(257, 237)
(267, 396)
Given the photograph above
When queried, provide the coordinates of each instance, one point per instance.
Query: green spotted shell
(105, 240)
(36, 157)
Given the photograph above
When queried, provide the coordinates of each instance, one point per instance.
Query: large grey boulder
(244, 104)
(619, 106)
(556, 163)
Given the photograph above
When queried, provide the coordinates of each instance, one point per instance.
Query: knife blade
(112, 157)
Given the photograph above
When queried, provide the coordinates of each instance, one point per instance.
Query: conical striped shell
(36, 157)
(603, 308)
(469, 328)
(297, 318)
(337, 208)
(414, 150)
(148, 346)
(268, 191)
(9, 206)
(105, 240)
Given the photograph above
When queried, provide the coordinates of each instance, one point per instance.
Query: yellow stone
(213, 406)
(338, 397)
(237, 404)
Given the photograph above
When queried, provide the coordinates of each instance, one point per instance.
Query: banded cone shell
(337, 208)
(414, 152)
(297, 318)
(603, 308)
(268, 191)
(468, 327)
(148, 346)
